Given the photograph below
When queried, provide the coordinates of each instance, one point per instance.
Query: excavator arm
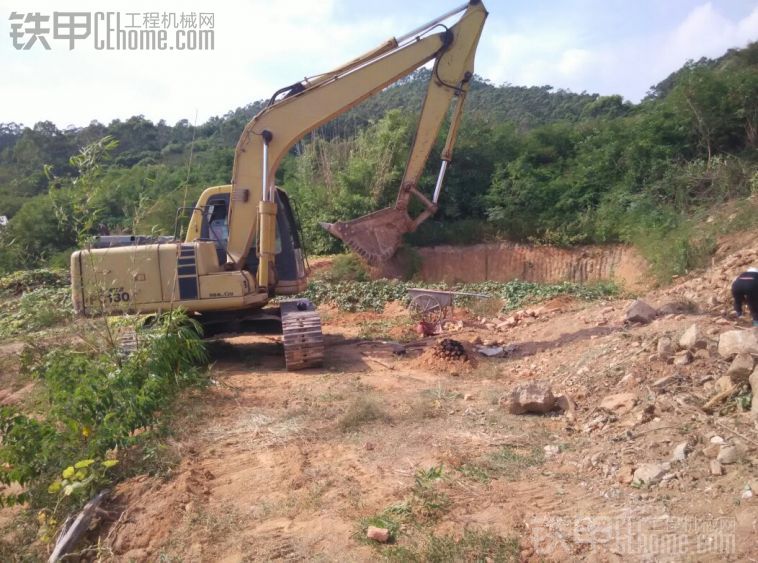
(306, 105)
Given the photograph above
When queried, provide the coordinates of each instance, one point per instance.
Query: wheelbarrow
(434, 305)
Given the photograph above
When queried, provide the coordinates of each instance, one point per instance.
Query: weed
(391, 518)
(440, 393)
(475, 473)
(36, 310)
(473, 546)
(361, 411)
(428, 503)
(505, 462)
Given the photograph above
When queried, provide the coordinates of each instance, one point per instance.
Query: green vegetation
(93, 407)
(374, 295)
(531, 164)
(36, 310)
(410, 538)
(506, 462)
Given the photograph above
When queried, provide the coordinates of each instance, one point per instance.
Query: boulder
(533, 397)
(692, 338)
(741, 368)
(754, 387)
(735, 342)
(640, 312)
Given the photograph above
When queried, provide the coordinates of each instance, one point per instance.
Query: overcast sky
(604, 46)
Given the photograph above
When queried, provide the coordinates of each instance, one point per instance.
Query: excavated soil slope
(547, 264)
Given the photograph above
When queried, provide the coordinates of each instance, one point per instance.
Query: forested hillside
(530, 164)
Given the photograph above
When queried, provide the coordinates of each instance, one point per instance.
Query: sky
(599, 46)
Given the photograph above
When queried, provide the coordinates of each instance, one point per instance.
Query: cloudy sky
(605, 46)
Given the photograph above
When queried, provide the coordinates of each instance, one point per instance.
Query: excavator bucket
(376, 236)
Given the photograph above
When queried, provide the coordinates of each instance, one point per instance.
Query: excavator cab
(213, 213)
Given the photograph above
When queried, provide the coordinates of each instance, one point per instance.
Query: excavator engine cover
(376, 236)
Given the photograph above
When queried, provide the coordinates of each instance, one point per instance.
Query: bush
(374, 295)
(347, 267)
(27, 280)
(95, 402)
(37, 309)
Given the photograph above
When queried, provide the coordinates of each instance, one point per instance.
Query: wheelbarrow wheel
(426, 308)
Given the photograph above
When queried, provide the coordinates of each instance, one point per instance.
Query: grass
(473, 546)
(362, 410)
(391, 518)
(506, 462)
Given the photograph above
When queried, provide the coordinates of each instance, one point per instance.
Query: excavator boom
(300, 108)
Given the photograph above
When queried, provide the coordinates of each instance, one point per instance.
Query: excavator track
(301, 335)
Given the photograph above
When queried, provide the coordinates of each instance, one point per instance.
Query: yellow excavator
(243, 245)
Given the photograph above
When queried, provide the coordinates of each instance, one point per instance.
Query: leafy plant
(94, 402)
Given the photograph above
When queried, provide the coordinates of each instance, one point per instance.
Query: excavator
(243, 247)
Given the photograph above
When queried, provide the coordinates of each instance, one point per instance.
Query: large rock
(533, 397)
(754, 387)
(650, 473)
(619, 403)
(692, 338)
(640, 312)
(736, 342)
(741, 368)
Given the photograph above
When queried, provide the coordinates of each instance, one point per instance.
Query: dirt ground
(267, 464)
(279, 465)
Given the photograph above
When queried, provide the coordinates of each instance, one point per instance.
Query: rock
(681, 451)
(717, 440)
(703, 354)
(619, 403)
(683, 358)
(665, 348)
(491, 351)
(727, 454)
(625, 475)
(735, 342)
(663, 382)
(716, 468)
(552, 450)
(533, 397)
(640, 312)
(692, 338)
(754, 387)
(382, 535)
(712, 451)
(650, 473)
(723, 384)
(566, 404)
(747, 493)
(741, 368)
